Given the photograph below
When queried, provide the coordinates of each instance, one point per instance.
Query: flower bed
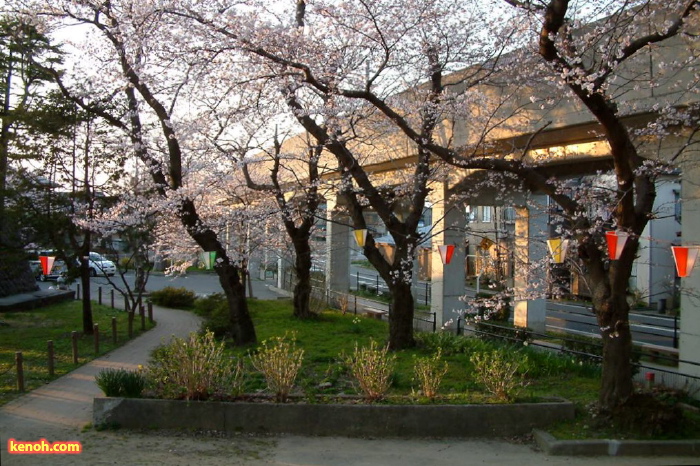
(335, 419)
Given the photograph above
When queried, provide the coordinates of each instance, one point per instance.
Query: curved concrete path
(62, 409)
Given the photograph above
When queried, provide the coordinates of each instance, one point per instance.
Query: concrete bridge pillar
(448, 280)
(531, 265)
(337, 247)
(689, 342)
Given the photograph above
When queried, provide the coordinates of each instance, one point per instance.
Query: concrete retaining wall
(346, 420)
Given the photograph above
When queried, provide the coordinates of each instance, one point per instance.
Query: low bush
(504, 331)
(372, 367)
(214, 309)
(429, 372)
(500, 373)
(279, 361)
(177, 298)
(195, 368)
(121, 382)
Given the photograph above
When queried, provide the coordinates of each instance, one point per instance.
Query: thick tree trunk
(616, 382)
(401, 316)
(302, 268)
(612, 311)
(242, 327)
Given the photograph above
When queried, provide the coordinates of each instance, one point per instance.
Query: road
(646, 328)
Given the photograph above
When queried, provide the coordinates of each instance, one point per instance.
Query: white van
(100, 266)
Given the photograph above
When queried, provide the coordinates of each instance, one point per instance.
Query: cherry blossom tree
(364, 56)
(137, 90)
(375, 49)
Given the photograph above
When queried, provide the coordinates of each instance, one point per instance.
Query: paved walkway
(62, 411)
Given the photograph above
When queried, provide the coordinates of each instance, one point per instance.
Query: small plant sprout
(429, 372)
(279, 361)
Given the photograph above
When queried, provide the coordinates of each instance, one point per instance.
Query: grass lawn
(545, 374)
(30, 331)
(325, 339)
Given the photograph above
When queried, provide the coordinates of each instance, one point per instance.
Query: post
(20, 371)
(675, 331)
(131, 324)
(427, 293)
(114, 330)
(142, 314)
(96, 336)
(99, 295)
(111, 297)
(50, 352)
(77, 292)
(74, 342)
(150, 312)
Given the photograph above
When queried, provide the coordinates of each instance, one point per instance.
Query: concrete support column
(337, 248)
(447, 282)
(530, 266)
(689, 343)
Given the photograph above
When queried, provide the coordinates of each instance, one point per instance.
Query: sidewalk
(61, 410)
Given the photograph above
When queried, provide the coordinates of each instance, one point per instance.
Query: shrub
(447, 342)
(429, 371)
(177, 298)
(194, 369)
(499, 372)
(372, 368)
(279, 361)
(214, 309)
(502, 331)
(121, 382)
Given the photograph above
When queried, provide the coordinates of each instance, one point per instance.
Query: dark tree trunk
(401, 316)
(242, 327)
(610, 289)
(302, 268)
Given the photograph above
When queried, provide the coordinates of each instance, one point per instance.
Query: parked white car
(100, 266)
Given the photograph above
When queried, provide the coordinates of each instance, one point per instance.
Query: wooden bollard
(99, 295)
(96, 336)
(111, 297)
(150, 312)
(130, 321)
(49, 345)
(20, 371)
(114, 330)
(142, 313)
(74, 341)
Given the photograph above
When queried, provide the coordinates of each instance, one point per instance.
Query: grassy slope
(29, 332)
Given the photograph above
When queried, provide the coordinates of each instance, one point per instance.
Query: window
(509, 214)
(471, 213)
(486, 214)
(677, 205)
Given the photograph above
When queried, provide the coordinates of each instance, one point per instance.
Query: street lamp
(446, 253)
(616, 243)
(684, 257)
(557, 249)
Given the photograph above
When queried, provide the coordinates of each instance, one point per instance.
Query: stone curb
(605, 447)
(341, 420)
